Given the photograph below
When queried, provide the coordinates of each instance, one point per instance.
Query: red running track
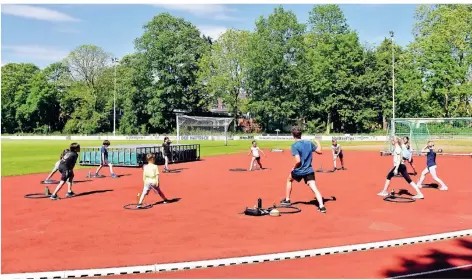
(392, 262)
(94, 231)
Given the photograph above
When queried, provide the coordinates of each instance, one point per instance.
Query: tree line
(317, 74)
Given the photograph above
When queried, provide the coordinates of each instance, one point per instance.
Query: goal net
(202, 128)
(453, 135)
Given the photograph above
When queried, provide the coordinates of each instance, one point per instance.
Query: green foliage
(172, 48)
(274, 59)
(223, 69)
(282, 73)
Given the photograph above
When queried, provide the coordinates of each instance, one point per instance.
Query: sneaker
(445, 188)
(70, 194)
(139, 206)
(418, 196)
(54, 197)
(114, 175)
(166, 201)
(383, 193)
(322, 209)
(285, 202)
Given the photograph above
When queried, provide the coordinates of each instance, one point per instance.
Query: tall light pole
(393, 84)
(115, 61)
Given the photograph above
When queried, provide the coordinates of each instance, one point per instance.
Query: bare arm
(318, 147)
(261, 151)
(425, 149)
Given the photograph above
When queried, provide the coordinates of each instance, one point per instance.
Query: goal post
(450, 133)
(202, 128)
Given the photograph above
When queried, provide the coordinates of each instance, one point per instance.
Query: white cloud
(213, 31)
(216, 12)
(38, 13)
(34, 52)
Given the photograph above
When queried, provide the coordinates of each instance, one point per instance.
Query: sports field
(92, 231)
(21, 157)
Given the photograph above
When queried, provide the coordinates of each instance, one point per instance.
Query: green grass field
(21, 157)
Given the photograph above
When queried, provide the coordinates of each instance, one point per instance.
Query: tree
(223, 69)
(274, 79)
(16, 79)
(337, 63)
(134, 89)
(443, 51)
(172, 48)
(86, 63)
(41, 110)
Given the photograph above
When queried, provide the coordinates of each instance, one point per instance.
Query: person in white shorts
(431, 166)
(56, 167)
(255, 155)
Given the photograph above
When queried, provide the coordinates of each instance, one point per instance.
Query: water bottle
(89, 175)
(138, 197)
(259, 203)
(46, 191)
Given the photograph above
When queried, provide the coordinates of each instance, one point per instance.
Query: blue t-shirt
(431, 158)
(104, 151)
(305, 150)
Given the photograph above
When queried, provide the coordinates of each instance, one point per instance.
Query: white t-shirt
(336, 149)
(397, 156)
(255, 151)
(406, 153)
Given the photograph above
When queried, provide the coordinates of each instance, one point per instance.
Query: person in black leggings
(399, 167)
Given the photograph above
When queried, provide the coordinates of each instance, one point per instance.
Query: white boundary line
(431, 272)
(238, 260)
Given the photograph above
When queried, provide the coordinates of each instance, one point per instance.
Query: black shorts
(67, 175)
(402, 171)
(258, 158)
(306, 178)
(410, 160)
(340, 155)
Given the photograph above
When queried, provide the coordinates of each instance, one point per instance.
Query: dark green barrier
(135, 156)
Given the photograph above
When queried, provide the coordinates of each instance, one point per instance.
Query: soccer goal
(453, 135)
(202, 128)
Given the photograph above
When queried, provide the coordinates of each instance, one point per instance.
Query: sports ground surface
(93, 230)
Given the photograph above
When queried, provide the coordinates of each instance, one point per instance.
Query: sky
(44, 34)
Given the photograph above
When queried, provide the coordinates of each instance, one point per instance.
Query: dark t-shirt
(305, 150)
(166, 147)
(68, 161)
(104, 151)
(431, 158)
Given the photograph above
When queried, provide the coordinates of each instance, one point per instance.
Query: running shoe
(322, 209)
(383, 193)
(54, 197)
(285, 202)
(70, 194)
(418, 196)
(114, 175)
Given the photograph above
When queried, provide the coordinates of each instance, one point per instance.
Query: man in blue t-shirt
(302, 151)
